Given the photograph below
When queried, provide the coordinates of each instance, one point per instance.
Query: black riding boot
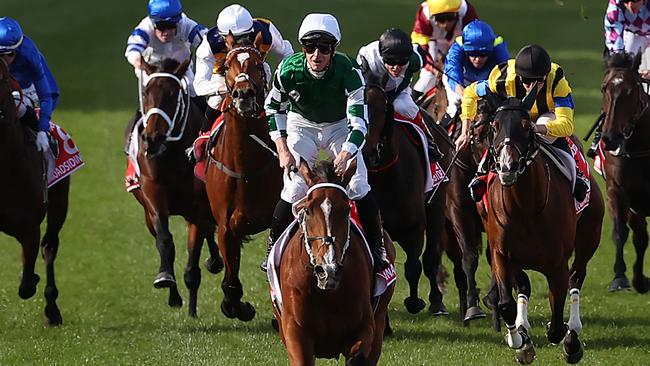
(594, 144)
(416, 95)
(371, 222)
(478, 185)
(211, 115)
(281, 216)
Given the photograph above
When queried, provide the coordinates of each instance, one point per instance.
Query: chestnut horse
(326, 278)
(243, 178)
(167, 183)
(397, 175)
(531, 223)
(626, 142)
(26, 200)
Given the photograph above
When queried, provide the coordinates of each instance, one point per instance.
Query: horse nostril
(514, 166)
(249, 93)
(235, 94)
(319, 271)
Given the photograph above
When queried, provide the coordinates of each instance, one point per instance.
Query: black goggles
(630, 1)
(395, 61)
(8, 53)
(529, 81)
(324, 48)
(445, 17)
(165, 25)
(478, 54)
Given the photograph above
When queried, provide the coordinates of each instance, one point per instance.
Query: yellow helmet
(443, 6)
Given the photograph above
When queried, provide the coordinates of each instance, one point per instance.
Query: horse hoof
(388, 331)
(228, 310)
(474, 312)
(526, 354)
(619, 283)
(53, 317)
(214, 265)
(164, 280)
(414, 305)
(275, 325)
(175, 301)
(246, 312)
(641, 284)
(557, 336)
(487, 301)
(572, 350)
(438, 309)
(27, 287)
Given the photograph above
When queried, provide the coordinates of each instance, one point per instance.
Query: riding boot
(199, 102)
(478, 184)
(432, 148)
(581, 187)
(281, 216)
(371, 222)
(416, 95)
(593, 149)
(445, 121)
(211, 115)
(30, 119)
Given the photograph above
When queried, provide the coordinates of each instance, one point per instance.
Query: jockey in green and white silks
(322, 93)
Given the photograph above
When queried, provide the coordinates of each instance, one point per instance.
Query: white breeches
(306, 141)
(453, 98)
(214, 101)
(634, 42)
(405, 105)
(426, 81)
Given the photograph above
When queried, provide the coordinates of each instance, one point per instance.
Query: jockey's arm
(562, 125)
(614, 27)
(356, 111)
(192, 31)
(46, 100)
(279, 46)
(204, 85)
(454, 67)
(275, 107)
(469, 105)
(422, 30)
(138, 41)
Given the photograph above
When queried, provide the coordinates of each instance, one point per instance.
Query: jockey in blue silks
(28, 66)
(471, 58)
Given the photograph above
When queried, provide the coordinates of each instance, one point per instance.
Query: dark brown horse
(243, 179)
(168, 186)
(397, 175)
(626, 140)
(326, 279)
(26, 200)
(531, 223)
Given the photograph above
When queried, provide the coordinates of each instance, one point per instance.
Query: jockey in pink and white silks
(210, 81)
(165, 33)
(627, 26)
(28, 66)
(317, 104)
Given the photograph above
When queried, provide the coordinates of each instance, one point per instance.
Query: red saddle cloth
(68, 158)
(200, 148)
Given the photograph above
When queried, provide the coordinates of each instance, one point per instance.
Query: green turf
(107, 261)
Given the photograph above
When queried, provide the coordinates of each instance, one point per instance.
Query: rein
(525, 158)
(181, 112)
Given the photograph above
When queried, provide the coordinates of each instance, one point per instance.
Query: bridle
(526, 157)
(326, 240)
(244, 77)
(181, 111)
(642, 106)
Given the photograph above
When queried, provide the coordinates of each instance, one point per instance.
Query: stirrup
(433, 151)
(477, 188)
(189, 153)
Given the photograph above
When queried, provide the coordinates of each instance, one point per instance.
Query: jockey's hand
(42, 142)
(645, 74)
(341, 162)
(287, 162)
(137, 64)
(462, 141)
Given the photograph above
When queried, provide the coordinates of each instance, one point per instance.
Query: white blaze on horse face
(505, 157)
(326, 206)
(241, 57)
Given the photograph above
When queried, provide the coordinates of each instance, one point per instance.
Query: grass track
(114, 316)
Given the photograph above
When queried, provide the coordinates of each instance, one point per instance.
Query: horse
(243, 177)
(26, 200)
(167, 182)
(531, 223)
(626, 147)
(396, 173)
(326, 278)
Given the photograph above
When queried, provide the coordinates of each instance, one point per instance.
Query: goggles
(324, 48)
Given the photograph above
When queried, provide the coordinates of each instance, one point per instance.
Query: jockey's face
(8, 57)
(394, 70)
(528, 83)
(319, 55)
(633, 6)
(165, 32)
(478, 61)
(446, 21)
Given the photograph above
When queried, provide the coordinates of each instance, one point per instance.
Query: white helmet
(319, 26)
(234, 19)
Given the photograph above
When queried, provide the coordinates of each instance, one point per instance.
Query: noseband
(328, 239)
(244, 77)
(181, 112)
(527, 157)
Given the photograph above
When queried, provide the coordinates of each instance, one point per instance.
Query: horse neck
(529, 194)
(237, 130)
(12, 141)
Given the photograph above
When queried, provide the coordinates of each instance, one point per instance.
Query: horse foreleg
(28, 281)
(468, 234)
(620, 231)
(503, 275)
(165, 245)
(413, 270)
(640, 240)
(454, 253)
(432, 256)
(231, 306)
(192, 274)
(214, 264)
(558, 285)
(523, 295)
(300, 347)
(56, 215)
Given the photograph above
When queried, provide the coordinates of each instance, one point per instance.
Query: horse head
(7, 104)
(380, 118)
(245, 76)
(324, 216)
(165, 105)
(513, 139)
(624, 100)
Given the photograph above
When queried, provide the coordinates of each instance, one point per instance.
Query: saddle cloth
(599, 160)
(68, 159)
(201, 146)
(383, 280)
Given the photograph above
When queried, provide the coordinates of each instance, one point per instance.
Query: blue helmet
(11, 36)
(478, 37)
(165, 10)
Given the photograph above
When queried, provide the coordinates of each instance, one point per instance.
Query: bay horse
(243, 178)
(531, 223)
(326, 278)
(397, 176)
(169, 125)
(26, 200)
(626, 147)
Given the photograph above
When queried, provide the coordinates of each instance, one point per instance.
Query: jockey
(626, 29)
(471, 58)
(322, 93)
(210, 81)
(28, 66)
(165, 33)
(392, 61)
(437, 24)
(532, 68)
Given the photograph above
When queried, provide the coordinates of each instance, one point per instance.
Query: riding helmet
(532, 62)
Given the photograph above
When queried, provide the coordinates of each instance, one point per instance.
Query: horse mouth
(246, 106)
(328, 277)
(507, 178)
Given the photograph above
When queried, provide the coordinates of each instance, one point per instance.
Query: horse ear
(230, 41)
(349, 173)
(258, 41)
(494, 100)
(306, 173)
(606, 56)
(637, 60)
(529, 99)
(182, 68)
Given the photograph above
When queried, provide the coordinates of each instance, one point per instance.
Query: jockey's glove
(42, 142)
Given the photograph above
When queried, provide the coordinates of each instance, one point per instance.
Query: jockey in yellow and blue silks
(552, 111)
(471, 58)
(28, 66)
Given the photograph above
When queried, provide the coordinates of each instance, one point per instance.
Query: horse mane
(168, 65)
(622, 60)
(324, 170)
